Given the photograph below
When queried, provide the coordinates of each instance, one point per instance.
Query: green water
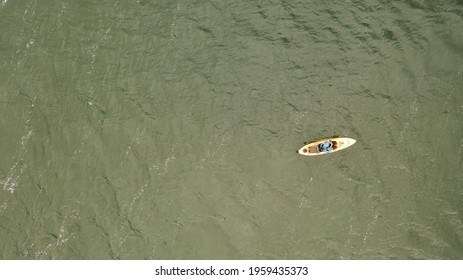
(168, 129)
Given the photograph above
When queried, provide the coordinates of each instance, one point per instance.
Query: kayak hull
(311, 149)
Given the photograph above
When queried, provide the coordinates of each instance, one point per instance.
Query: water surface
(168, 129)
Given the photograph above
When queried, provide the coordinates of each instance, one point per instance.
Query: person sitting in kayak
(325, 147)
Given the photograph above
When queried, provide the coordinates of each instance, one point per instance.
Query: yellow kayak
(326, 146)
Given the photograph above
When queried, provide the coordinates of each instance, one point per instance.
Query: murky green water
(168, 129)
